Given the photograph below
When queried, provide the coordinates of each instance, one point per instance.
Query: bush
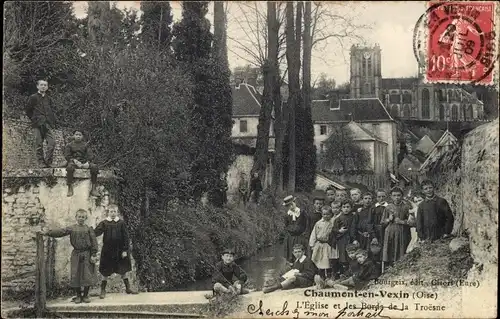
(184, 242)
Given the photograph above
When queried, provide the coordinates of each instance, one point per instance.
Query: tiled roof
(245, 100)
(361, 110)
(396, 83)
(360, 133)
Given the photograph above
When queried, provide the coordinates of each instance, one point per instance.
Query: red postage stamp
(461, 42)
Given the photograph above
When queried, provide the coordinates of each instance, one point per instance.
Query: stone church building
(408, 98)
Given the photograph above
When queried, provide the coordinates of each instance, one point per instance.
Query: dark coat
(434, 218)
(343, 239)
(84, 243)
(40, 110)
(225, 274)
(364, 223)
(306, 268)
(79, 151)
(115, 242)
(295, 233)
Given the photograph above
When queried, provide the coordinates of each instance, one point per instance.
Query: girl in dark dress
(83, 256)
(115, 249)
(397, 232)
(295, 228)
(344, 233)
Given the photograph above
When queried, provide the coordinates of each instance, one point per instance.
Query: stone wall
(34, 200)
(468, 178)
(479, 190)
(19, 142)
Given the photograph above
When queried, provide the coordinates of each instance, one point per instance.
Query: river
(264, 265)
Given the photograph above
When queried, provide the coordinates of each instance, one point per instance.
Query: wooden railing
(40, 277)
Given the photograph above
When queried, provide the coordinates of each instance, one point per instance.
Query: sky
(391, 23)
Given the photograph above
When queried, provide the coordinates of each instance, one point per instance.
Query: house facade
(377, 129)
(446, 143)
(246, 109)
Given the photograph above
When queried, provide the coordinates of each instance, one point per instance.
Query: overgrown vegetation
(155, 107)
(342, 154)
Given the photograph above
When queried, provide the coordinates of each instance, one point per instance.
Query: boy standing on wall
(43, 120)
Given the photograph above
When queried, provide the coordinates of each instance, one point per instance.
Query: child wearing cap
(295, 228)
(303, 270)
(228, 277)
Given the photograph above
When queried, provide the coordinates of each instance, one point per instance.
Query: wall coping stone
(56, 172)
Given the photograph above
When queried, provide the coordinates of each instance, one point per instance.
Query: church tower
(366, 75)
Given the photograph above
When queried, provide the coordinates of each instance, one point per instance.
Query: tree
(39, 40)
(323, 86)
(156, 21)
(211, 113)
(220, 32)
(293, 41)
(342, 153)
(306, 156)
(99, 22)
(274, 83)
(192, 37)
(222, 104)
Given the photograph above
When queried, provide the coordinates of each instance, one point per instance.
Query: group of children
(77, 153)
(114, 258)
(347, 242)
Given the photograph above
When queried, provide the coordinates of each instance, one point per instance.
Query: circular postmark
(456, 41)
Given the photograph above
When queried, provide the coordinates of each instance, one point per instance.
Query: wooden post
(40, 285)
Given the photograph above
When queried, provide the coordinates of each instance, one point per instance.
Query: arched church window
(441, 112)
(469, 113)
(425, 104)
(395, 110)
(454, 112)
(406, 110)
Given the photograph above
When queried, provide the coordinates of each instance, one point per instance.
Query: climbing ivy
(14, 183)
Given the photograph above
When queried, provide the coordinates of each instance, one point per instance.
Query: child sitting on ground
(301, 275)
(322, 251)
(115, 249)
(83, 256)
(365, 271)
(224, 274)
(79, 155)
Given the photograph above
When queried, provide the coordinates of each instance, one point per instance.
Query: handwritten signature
(284, 311)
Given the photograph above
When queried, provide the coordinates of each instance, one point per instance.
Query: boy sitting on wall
(79, 155)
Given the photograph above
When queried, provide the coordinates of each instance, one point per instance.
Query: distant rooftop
(359, 110)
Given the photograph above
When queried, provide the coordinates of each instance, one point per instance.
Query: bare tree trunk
(293, 60)
(262, 144)
(279, 127)
(307, 53)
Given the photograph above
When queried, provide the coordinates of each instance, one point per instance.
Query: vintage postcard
(250, 159)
